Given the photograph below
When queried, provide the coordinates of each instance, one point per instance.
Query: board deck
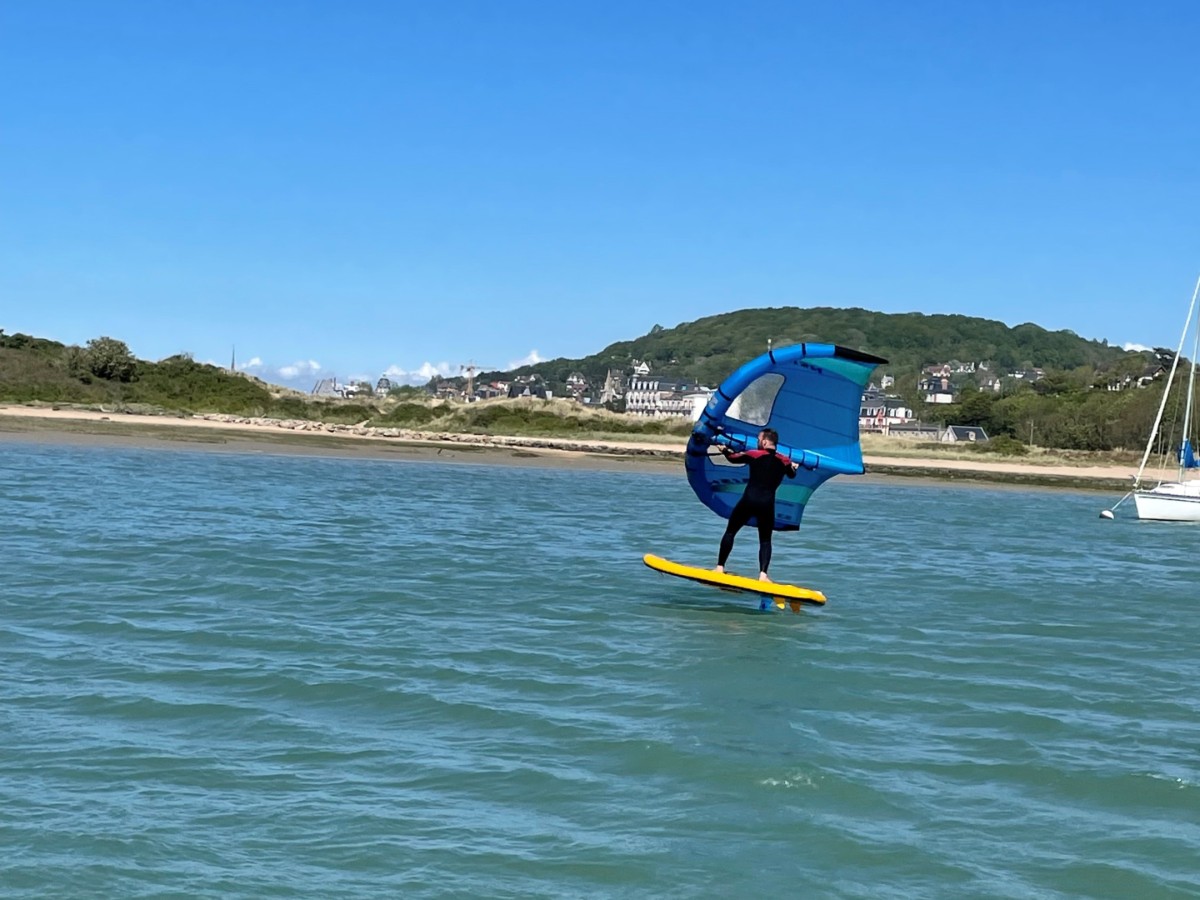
(780, 593)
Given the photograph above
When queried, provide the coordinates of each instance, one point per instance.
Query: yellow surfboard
(780, 593)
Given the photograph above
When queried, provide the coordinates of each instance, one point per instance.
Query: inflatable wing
(811, 395)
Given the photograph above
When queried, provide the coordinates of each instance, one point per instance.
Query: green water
(254, 676)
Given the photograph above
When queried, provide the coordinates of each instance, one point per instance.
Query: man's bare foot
(762, 576)
(720, 570)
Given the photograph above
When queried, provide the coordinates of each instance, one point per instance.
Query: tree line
(1069, 408)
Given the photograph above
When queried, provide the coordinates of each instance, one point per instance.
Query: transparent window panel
(754, 404)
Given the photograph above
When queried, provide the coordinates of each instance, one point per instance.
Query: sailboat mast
(1187, 409)
(1167, 387)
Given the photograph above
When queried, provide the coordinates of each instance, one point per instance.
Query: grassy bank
(527, 417)
(903, 448)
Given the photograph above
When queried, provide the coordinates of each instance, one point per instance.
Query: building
(447, 390)
(872, 411)
(969, 434)
(656, 397)
(614, 387)
(954, 367)
(916, 430)
(1029, 375)
(879, 412)
(989, 383)
(577, 386)
(529, 386)
(937, 389)
(491, 390)
(331, 387)
(326, 387)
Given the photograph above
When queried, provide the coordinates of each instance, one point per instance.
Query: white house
(970, 434)
(937, 389)
(878, 412)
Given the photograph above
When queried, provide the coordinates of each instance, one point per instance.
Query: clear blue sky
(391, 185)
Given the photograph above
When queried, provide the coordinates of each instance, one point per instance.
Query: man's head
(768, 439)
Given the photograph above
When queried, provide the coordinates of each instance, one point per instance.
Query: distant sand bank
(22, 424)
(232, 433)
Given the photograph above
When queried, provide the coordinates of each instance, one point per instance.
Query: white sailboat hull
(1171, 502)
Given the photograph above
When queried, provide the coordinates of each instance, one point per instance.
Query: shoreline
(224, 433)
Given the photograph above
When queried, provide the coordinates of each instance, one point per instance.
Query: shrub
(406, 415)
(1005, 446)
(110, 359)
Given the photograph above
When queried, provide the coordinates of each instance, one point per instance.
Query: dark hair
(770, 434)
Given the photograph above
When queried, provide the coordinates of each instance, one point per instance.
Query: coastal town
(639, 391)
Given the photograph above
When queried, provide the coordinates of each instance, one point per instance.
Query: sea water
(267, 676)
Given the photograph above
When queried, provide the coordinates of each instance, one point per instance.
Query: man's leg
(765, 527)
(737, 519)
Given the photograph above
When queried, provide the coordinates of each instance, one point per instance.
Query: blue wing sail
(811, 395)
(1187, 456)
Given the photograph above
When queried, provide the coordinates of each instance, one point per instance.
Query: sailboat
(1178, 500)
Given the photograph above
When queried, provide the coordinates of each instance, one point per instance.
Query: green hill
(105, 372)
(1069, 408)
(708, 349)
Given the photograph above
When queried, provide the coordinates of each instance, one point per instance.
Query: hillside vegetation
(708, 349)
(526, 416)
(1067, 409)
(105, 373)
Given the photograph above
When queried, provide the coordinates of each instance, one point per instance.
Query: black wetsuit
(767, 470)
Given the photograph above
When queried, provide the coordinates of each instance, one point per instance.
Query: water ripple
(256, 676)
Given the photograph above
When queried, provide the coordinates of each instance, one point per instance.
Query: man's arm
(734, 456)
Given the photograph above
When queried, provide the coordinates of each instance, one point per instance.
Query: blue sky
(366, 187)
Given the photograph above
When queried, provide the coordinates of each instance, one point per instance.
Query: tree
(406, 391)
(110, 359)
(976, 409)
(913, 397)
(76, 362)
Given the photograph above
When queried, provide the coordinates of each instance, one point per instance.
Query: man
(767, 470)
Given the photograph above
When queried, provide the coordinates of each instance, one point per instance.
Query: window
(754, 404)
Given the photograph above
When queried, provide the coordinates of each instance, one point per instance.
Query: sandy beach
(238, 434)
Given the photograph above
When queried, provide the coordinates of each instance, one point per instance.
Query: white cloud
(418, 376)
(532, 359)
(308, 367)
(299, 375)
(1137, 347)
(429, 370)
